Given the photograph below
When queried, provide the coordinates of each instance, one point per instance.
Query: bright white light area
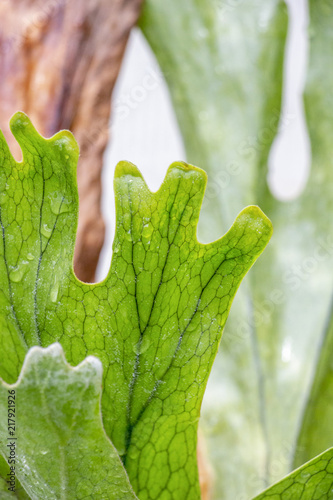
(286, 353)
(290, 155)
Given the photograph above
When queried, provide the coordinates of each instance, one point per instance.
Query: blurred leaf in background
(223, 61)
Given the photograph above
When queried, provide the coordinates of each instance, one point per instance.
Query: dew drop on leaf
(54, 293)
(17, 273)
(46, 231)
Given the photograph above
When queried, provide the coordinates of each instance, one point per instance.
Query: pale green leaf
(62, 451)
(155, 322)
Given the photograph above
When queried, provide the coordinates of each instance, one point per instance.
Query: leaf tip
(63, 143)
(187, 167)
(126, 168)
(54, 356)
(66, 144)
(254, 217)
(52, 351)
(93, 364)
(19, 121)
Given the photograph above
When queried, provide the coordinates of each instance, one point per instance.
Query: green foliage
(312, 481)
(155, 322)
(224, 67)
(62, 450)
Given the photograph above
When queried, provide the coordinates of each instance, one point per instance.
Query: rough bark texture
(59, 60)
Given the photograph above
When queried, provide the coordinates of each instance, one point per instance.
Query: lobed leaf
(155, 322)
(62, 450)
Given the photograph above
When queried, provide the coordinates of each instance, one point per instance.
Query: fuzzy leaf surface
(62, 451)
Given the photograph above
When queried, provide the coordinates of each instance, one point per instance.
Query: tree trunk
(59, 61)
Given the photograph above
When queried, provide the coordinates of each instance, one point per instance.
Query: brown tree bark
(59, 60)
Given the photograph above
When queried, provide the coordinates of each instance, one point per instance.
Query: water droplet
(30, 256)
(16, 274)
(136, 348)
(54, 292)
(116, 248)
(59, 205)
(128, 235)
(147, 231)
(46, 230)
(56, 205)
(145, 344)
